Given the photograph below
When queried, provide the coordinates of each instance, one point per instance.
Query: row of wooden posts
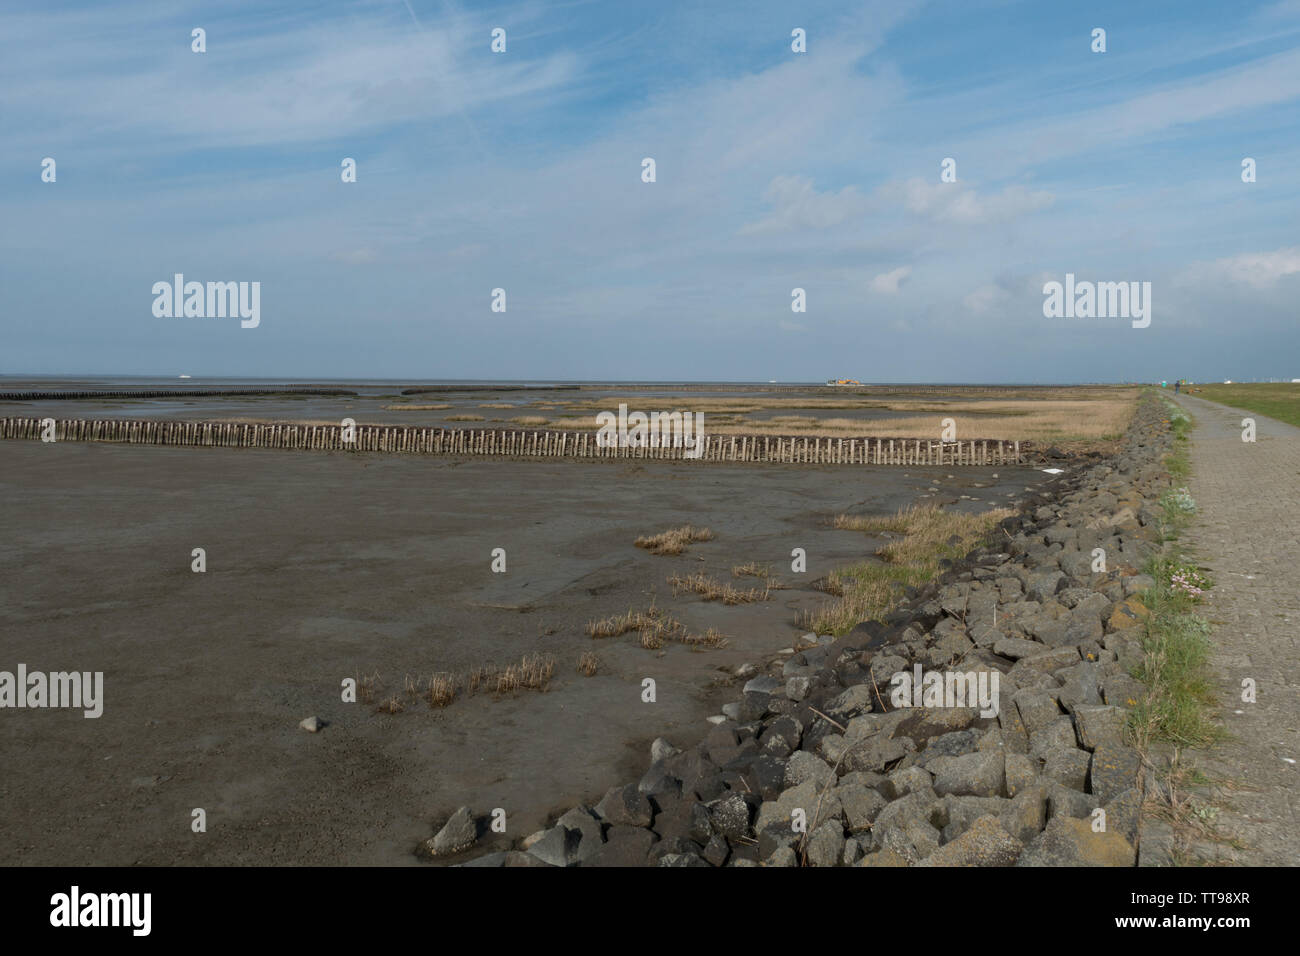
(516, 442)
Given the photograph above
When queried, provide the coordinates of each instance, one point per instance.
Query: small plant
(588, 664)
(1178, 501)
(674, 541)
(366, 687)
(712, 590)
(1190, 582)
(710, 638)
(442, 690)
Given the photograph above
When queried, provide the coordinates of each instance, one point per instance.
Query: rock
(729, 816)
(682, 859)
(1016, 648)
(558, 846)
(852, 852)
(922, 723)
(1098, 725)
(716, 852)
(781, 736)
(884, 858)
(767, 776)
(1122, 691)
(623, 846)
(952, 744)
(1137, 583)
(826, 845)
(662, 750)
(980, 774)
(807, 797)
(1042, 585)
(803, 766)
(587, 824)
(1058, 735)
(984, 844)
(1128, 614)
(1021, 773)
(311, 724)
(876, 753)
(861, 805)
(657, 780)
(911, 809)
(963, 811)
(458, 833)
(1026, 816)
(764, 685)
(902, 782)
(1015, 736)
(914, 842)
(1070, 842)
(782, 856)
(625, 805)
(1114, 769)
(1048, 660)
(1037, 709)
(1064, 802)
(1123, 814)
(746, 671)
(856, 700)
(796, 688)
(1068, 767)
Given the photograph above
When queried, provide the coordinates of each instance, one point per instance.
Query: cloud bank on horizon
(774, 170)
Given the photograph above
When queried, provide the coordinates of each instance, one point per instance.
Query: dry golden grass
(442, 690)
(588, 664)
(711, 590)
(751, 570)
(529, 420)
(651, 619)
(498, 405)
(675, 540)
(867, 590)
(1099, 415)
(464, 418)
(366, 687)
(390, 706)
(710, 638)
(533, 672)
(413, 408)
(655, 629)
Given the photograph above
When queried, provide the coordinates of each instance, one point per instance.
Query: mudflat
(322, 567)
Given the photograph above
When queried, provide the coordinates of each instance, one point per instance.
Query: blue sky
(775, 170)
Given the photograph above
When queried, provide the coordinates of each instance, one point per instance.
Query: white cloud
(1259, 269)
(796, 204)
(887, 283)
(960, 204)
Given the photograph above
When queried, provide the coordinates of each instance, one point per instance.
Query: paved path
(1247, 533)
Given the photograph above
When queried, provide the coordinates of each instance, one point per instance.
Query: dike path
(1247, 534)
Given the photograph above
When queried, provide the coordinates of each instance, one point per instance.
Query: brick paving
(1247, 534)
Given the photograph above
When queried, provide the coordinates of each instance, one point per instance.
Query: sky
(522, 170)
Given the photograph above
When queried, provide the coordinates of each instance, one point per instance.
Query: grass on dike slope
(1280, 400)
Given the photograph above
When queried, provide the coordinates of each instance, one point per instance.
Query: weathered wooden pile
(520, 442)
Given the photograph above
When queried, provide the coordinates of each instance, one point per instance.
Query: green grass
(1275, 399)
(869, 589)
(1180, 702)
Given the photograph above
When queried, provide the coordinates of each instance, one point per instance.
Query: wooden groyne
(518, 443)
